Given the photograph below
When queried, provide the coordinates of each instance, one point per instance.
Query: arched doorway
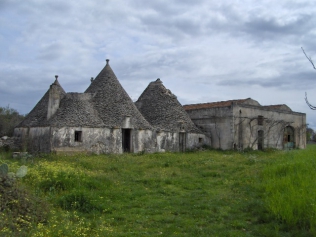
(260, 139)
(288, 138)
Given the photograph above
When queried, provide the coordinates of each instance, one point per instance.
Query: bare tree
(311, 61)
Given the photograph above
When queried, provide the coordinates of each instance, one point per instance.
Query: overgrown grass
(290, 188)
(208, 193)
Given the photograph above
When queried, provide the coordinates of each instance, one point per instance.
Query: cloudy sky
(202, 50)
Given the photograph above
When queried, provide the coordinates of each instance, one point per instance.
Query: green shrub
(19, 209)
(79, 201)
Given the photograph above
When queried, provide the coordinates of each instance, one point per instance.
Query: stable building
(244, 123)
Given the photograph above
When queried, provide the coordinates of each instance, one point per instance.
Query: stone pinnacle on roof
(38, 115)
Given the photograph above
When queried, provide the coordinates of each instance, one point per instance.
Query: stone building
(104, 119)
(172, 125)
(240, 124)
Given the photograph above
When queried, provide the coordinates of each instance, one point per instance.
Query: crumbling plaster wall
(102, 140)
(274, 123)
(34, 139)
(166, 141)
(94, 140)
(237, 126)
(170, 141)
(195, 140)
(216, 123)
(142, 141)
(99, 140)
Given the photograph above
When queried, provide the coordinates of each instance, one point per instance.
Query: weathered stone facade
(104, 119)
(240, 124)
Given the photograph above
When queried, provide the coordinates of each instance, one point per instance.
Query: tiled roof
(278, 107)
(162, 109)
(213, 104)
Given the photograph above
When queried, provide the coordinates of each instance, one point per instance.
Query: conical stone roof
(112, 102)
(38, 115)
(76, 109)
(162, 109)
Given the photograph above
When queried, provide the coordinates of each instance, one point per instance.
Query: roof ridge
(215, 102)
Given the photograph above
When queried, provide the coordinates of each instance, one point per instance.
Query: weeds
(290, 187)
(19, 210)
(203, 193)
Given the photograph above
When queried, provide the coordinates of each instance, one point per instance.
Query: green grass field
(205, 193)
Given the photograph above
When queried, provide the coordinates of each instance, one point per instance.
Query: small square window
(200, 140)
(78, 136)
(260, 120)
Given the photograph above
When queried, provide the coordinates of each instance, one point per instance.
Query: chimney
(107, 61)
(54, 98)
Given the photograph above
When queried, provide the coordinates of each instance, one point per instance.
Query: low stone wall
(11, 143)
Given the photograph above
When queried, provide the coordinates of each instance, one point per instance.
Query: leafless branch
(309, 105)
(309, 58)
(311, 61)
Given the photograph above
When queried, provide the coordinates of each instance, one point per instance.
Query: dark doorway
(182, 142)
(288, 138)
(126, 140)
(260, 140)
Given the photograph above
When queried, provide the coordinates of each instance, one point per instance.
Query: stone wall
(273, 127)
(99, 140)
(10, 143)
(216, 123)
(34, 139)
(236, 126)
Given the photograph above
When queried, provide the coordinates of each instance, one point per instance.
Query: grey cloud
(270, 28)
(257, 26)
(288, 81)
(174, 26)
(51, 52)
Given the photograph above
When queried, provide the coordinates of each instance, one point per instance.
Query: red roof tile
(213, 104)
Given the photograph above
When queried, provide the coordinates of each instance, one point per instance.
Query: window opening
(260, 120)
(78, 136)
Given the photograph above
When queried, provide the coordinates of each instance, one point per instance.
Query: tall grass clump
(290, 188)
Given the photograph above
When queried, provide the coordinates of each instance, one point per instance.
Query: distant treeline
(9, 118)
(310, 134)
